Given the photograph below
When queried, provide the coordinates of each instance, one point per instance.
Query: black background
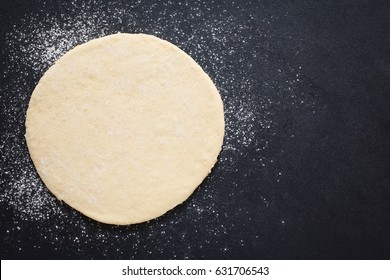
(322, 194)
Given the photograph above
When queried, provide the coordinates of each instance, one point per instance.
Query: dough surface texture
(125, 127)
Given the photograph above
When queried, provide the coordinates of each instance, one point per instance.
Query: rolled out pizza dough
(124, 128)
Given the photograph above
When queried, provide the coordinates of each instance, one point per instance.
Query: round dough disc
(124, 128)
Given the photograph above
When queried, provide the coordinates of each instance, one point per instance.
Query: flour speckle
(30, 199)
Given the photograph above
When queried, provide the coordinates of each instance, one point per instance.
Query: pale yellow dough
(124, 128)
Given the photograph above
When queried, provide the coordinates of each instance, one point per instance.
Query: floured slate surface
(304, 168)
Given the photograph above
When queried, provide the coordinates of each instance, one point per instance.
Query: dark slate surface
(315, 185)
